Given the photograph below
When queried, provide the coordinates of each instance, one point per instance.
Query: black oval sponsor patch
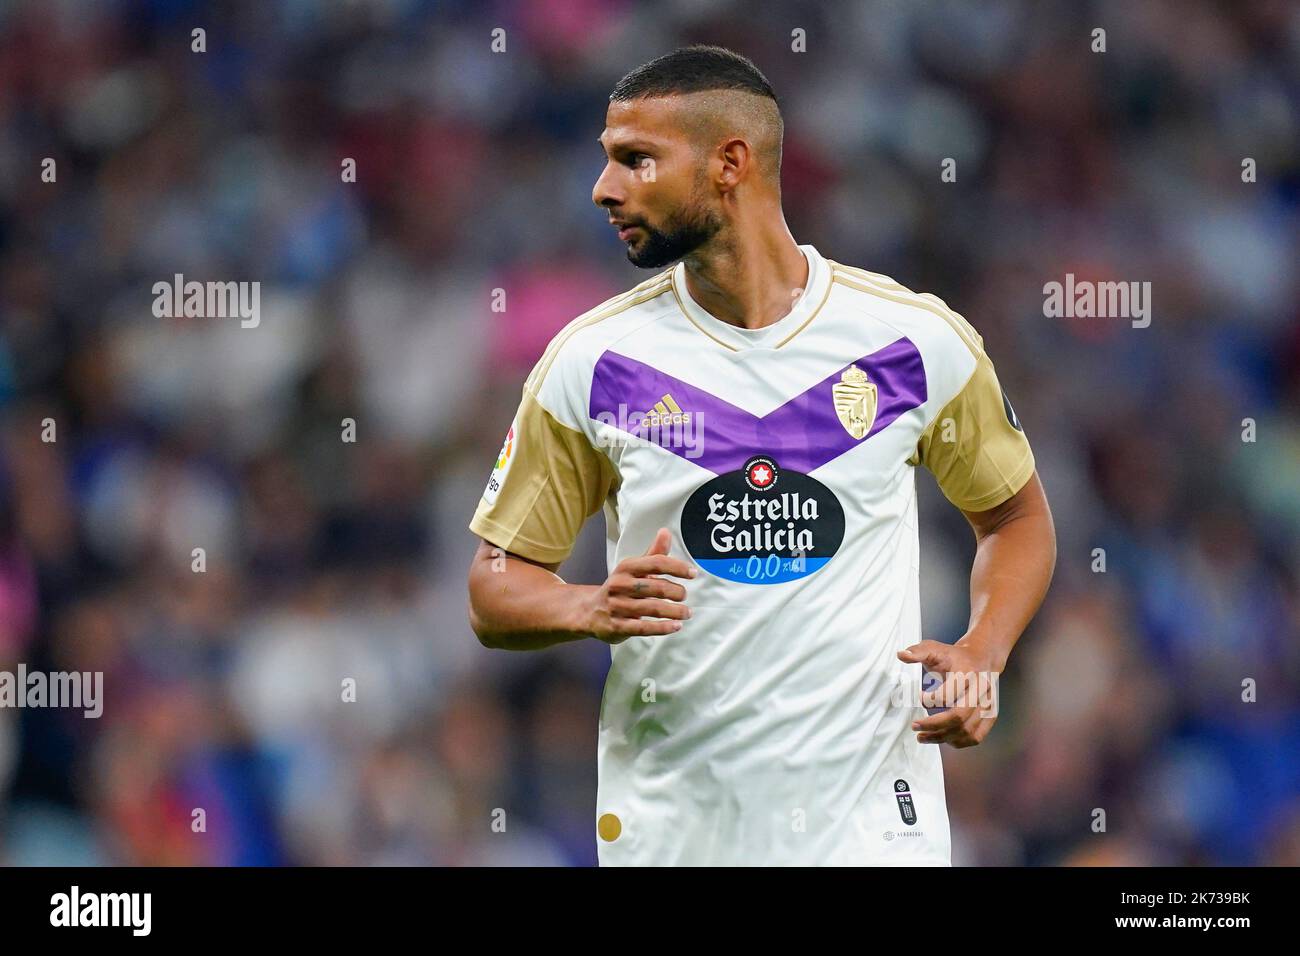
(762, 524)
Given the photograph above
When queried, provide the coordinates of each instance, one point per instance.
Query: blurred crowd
(1170, 454)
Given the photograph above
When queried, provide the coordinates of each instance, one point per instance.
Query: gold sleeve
(976, 447)
(547, 480)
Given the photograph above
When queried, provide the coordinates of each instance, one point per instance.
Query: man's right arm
(549, 478)
(522, 605)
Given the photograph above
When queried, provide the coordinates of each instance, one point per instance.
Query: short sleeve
(976, 447)
(545, 483)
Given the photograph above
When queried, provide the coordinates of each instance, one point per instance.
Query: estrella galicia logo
(762, 524)
(906, 809)
(761, 473)
(1011, 412)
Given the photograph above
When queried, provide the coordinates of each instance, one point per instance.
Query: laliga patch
(508, 453)
(762, 524)
(905, 807)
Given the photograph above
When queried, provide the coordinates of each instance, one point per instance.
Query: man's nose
(605, 192)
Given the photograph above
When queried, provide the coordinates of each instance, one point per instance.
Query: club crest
(855, 401)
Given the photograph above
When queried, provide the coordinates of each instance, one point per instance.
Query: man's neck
(750, 282)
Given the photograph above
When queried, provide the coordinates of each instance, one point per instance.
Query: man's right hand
(633, 594)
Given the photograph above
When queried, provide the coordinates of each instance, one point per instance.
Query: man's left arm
(980, 456)
(1015, 555)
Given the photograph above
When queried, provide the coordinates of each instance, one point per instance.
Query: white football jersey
(773, 728)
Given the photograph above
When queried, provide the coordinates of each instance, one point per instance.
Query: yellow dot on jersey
(609, 827)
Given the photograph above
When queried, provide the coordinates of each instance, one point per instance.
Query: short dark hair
(690, 70)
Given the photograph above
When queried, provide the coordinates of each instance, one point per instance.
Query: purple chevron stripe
(803, 434)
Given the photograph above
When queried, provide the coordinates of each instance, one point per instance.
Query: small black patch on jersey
(906, 809)
(1011, 412)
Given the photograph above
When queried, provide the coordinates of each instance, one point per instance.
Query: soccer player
(750, 420)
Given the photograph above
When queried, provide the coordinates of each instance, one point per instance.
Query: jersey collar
(772, 336)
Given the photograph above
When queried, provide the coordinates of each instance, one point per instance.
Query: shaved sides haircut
(742, 101)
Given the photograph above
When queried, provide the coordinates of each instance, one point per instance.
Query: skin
(710, 196)
(1015, 556)
(714, 173)
(527, 606)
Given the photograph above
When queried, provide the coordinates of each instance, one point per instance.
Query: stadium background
(474, 173)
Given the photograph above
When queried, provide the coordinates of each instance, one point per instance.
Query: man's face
(654, 181)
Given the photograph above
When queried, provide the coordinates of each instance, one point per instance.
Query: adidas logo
(665, 412)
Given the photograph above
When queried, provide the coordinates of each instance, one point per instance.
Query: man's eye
(636, 159)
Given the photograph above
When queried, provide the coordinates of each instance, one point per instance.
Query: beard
(685, 231)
